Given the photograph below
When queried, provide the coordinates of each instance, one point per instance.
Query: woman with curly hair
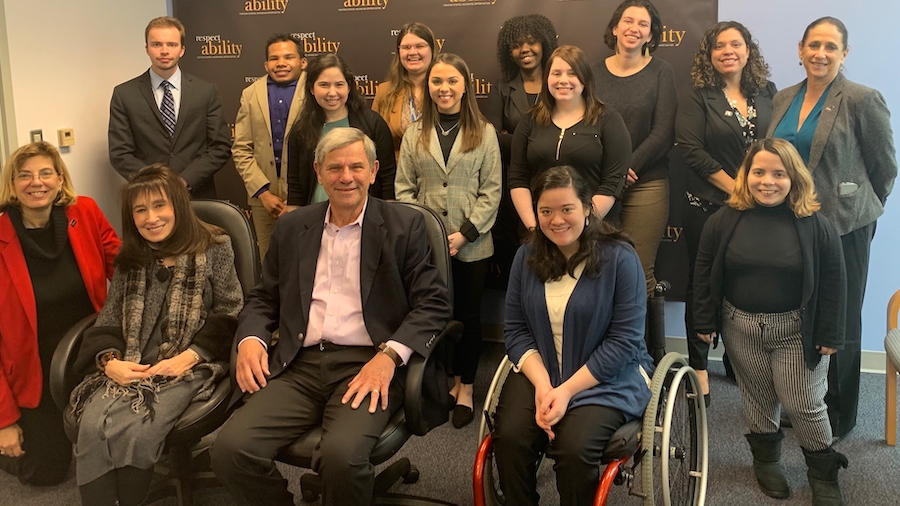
(728, 107)
(333, 101)
(399, 99)
(524, 44)
(642, 88)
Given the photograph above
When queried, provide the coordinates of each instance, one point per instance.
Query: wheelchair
(662, 458)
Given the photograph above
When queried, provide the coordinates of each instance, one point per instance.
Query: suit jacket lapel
(780, 106)
(826, 121)
(373, 236)
(14, 259)
(454, 159)
(296, 103)
(518, 95)
(434, 147)
(146, 88)
(309, 242)
(262, 101)
(187, 89)
(717, 102)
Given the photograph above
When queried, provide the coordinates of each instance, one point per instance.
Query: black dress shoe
(462, 416)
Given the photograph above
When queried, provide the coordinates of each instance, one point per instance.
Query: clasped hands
(550, 406)
(124, 372)
(374, 378)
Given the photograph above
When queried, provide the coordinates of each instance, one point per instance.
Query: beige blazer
(465, 189)
(252, 147)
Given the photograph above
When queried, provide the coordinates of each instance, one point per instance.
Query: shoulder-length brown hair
(17, 160)
(190, 234)
(593, 106)
(755, 75)
(802, 196)
(308, 126)
(471, 121)
(398, 78)
(545, 259)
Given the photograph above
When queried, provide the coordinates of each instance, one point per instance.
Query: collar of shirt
(270, 82)
(175, 80)
(358, 221)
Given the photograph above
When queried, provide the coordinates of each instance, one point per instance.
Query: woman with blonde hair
(56, 255)
(770, 279)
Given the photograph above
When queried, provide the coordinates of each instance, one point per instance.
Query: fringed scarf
(186, 316)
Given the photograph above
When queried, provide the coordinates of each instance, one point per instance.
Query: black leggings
(468, 286)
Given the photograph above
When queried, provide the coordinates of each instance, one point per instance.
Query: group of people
(570, 159)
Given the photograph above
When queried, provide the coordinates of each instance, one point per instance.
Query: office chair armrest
(61, 380)
(414, 394)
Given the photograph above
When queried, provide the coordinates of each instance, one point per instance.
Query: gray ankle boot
(823, 470)
(766, 450)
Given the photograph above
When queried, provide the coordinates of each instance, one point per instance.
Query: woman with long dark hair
(333, 101)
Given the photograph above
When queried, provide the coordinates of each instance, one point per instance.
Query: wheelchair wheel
(490, 483)
(674, 431)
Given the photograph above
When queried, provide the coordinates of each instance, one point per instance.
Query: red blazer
(95, 245)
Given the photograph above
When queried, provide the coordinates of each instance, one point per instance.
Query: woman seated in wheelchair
(162, 339)
(574, 332)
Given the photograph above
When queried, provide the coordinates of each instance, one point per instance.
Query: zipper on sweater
(562, 133)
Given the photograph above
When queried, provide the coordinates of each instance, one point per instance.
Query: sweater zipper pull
(562, 133)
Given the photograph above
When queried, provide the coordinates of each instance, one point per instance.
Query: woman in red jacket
(56, 255)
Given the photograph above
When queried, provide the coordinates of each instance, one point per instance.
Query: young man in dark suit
(351, 289)
(166, 115)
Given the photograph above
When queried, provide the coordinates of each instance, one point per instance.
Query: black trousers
(306, 395)
(843, 371)
(48, 452)
(581, 436)
(693, 219)
(468, 287)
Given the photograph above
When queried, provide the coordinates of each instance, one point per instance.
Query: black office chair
(408, 419)
(183, 469)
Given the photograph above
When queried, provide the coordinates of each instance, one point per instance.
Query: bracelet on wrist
(392, 353)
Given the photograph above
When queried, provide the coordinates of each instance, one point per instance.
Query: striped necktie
(167, 107)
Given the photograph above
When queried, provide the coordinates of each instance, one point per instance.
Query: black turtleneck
(763, 262)
(448, 123)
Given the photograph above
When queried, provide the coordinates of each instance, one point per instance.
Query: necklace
(446, 132)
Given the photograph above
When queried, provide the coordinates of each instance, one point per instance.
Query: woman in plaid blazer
(450, 162)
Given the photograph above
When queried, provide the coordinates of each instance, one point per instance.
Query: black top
(449, 123)
(59, 293)
(301, 175)
(711, 138)
(763, 263)
(647, 102)
(601, 153)
(507, 104)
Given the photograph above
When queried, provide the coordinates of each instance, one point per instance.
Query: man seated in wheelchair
(574, 331)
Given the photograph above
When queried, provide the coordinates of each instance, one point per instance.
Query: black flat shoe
(707, 400)
(462, 416)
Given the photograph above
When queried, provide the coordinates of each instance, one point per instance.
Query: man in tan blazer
(269, 108)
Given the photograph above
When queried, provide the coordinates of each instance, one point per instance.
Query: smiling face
(527, 53)
(446, 87)
(562, 81)
(346, 175)
(154, 216)
(561, 217)
(632, 30)
(37, 183)
(768, 180)
(730, 53)
(331, 90)
(283, 62)
(164, 49)
(415, 54)
(823, 52)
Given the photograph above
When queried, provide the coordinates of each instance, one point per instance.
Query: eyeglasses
(418, 47)
(27, 177)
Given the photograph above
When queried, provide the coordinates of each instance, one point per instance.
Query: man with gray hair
(351, 289)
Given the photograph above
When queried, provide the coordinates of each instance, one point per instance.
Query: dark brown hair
(655, 24)
(545, 258)
(593, 106)
(755, 75)
(190, 235)
(471, 121)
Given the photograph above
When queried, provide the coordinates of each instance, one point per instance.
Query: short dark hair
(284, 37)
(655, 24)
(545, 259)
(189, 236)
(513, 29)
(831, 20)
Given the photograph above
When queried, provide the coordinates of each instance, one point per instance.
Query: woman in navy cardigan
(575, 310)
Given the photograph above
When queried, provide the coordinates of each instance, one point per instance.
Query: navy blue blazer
(603, 329)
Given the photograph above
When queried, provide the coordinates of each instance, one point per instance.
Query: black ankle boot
(766, 450)
(823, 470)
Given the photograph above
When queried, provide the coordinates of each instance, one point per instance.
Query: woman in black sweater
(570, 126)
(332, 101)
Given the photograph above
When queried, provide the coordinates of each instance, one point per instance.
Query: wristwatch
(387, 350)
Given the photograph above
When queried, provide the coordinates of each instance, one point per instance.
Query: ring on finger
(376, 391)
